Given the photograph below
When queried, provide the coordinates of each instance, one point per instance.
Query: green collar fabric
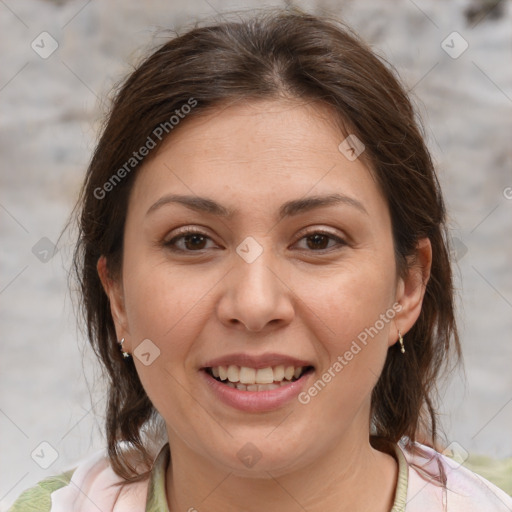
(157, 499)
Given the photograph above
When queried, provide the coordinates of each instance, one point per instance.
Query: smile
(256, 390)
(245, 378)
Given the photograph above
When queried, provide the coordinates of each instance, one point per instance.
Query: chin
(261, 457)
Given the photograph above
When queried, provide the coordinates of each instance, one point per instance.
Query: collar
(157, 500)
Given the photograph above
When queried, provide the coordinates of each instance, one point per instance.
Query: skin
(297, 298)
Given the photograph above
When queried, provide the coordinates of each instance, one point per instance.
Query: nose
(256, 295)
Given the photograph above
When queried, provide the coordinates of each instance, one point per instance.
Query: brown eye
(189, 241)
(319, 241)
(194, 241)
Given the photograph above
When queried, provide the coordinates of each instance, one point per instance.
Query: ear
(114, 290)
(411, 289)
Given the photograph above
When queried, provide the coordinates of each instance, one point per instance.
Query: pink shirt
(90, 488)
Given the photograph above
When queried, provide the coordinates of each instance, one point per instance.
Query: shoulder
(92, 481)
(498, 471)
(37, 498)
(465, 490)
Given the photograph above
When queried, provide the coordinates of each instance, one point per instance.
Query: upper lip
(256, 361)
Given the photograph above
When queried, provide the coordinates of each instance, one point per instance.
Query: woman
(265, 277)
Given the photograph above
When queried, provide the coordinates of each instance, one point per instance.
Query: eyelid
(312, 230)
(192, 230)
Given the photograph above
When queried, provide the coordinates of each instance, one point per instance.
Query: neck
(350, 477)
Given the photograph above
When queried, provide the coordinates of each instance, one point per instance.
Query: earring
(401, 340)
(125, 354)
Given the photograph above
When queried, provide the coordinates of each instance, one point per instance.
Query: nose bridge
(255, 295)
(252, 273)
(254, 270)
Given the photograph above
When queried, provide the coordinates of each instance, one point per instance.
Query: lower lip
(256, 401)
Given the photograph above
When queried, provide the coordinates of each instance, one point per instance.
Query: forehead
(257, 151)
(262, 129)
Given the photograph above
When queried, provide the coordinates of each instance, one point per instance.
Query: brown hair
(272, 55)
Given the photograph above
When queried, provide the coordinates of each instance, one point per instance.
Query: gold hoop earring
(125, 354)
(401, 340)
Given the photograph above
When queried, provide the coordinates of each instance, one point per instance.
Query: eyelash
(193, 231)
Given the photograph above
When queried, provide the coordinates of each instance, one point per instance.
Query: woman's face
(269, 277)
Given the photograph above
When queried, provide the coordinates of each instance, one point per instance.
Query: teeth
(289, 371)
(223, 372)
(243, 377)
(279, 373)
(233, 373)
(254, 387)
(247, 375)
(265, 376)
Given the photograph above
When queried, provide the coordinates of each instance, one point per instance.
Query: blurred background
(60, 60)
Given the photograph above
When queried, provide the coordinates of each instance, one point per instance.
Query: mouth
(244, 378)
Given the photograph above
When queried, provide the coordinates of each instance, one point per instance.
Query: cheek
(354, 310)
(351, 300)
(164, 306)
(160, 298)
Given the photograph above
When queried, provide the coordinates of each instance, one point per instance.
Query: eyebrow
(288, 209)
